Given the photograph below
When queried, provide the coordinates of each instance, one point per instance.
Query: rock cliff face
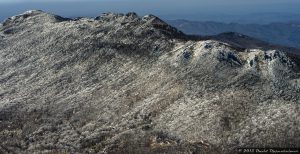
(124, 84)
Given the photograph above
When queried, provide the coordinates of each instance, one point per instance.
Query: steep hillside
(124, 84)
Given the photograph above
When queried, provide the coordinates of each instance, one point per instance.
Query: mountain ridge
(121, 84)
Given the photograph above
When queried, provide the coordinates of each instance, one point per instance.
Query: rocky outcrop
(125, 84)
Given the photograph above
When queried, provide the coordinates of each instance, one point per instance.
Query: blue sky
(167, 9)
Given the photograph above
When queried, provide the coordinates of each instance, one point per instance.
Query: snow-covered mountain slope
(124, 84)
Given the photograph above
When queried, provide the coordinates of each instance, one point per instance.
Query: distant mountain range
(287, 34)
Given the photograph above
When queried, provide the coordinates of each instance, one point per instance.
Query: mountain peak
(24, 15)
(108, 15)
(153, 19)
(30, 12)
(38, 16)
(132, 15)
(147, 22)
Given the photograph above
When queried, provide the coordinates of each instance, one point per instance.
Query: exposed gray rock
(124, 84)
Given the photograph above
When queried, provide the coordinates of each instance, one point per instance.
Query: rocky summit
(120, 83)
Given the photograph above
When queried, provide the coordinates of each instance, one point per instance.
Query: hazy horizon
(255, 11)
